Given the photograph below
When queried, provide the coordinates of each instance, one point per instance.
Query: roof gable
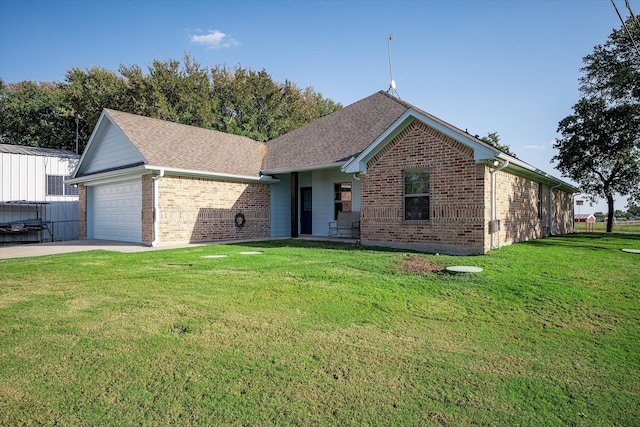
(128, 140)
(108, 149)
(356, 132)
(481, 150)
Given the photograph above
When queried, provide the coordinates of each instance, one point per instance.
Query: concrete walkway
(53, 248)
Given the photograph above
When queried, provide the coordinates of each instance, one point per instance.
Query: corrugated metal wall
(23, 177)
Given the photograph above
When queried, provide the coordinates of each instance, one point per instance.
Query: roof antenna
(392, 84)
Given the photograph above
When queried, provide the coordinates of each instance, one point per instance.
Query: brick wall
(517, 209)
(562, 212)
(518, 201)
(198, 210)
(147, 216)
(458, 205)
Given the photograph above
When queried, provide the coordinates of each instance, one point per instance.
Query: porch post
(294, 204)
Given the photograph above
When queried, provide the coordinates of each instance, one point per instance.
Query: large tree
(235, 100)
(252, 104)
(600, 149)
(33, 114)
(171, 91)
(600, 144)
(87, 92)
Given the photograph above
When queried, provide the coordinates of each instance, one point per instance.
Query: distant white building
(35, 203)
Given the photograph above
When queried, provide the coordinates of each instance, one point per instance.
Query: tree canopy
(30, 114)
(600, 144)
(492, 138)
(235, 100)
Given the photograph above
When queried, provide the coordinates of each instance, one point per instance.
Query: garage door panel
(117, 211)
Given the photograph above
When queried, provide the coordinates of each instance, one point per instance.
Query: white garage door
(117, 211)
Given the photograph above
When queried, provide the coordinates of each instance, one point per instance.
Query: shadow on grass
(593, 241)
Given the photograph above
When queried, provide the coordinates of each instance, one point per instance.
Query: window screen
(341, 198)
(57, 187)
(417, 195)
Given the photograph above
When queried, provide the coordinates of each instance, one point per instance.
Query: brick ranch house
(417, 182)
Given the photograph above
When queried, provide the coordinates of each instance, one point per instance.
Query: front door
(305, 214)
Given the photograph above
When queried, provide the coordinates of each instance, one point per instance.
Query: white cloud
(215, 40)
(534, 147)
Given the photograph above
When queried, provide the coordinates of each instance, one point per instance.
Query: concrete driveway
(52, 248)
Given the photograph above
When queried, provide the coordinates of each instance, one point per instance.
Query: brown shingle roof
(343, 134)
(336, 137)
(174, 145)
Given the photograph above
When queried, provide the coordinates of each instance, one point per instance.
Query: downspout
(494, 209)
(156, 209)
(551, 208)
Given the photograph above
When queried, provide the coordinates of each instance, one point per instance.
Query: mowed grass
(310, 333)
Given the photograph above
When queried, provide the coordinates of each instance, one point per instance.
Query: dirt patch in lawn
(419, 265)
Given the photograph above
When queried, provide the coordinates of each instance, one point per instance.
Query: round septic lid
(250, 253)
(214, 256)
(463, 269)
(632, 251)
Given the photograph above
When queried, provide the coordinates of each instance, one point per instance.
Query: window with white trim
(417, 194)
(57, 187)
(341, 198)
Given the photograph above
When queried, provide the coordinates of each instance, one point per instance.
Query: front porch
(306, 204)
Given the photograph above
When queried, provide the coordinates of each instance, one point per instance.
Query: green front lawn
(309, 333)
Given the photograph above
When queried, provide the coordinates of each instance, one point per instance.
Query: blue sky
(506, 66)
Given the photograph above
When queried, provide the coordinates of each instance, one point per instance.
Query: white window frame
(407, 193)
(337, 198)
(60, 187)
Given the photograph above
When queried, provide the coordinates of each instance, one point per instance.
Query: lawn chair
(347, 225)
